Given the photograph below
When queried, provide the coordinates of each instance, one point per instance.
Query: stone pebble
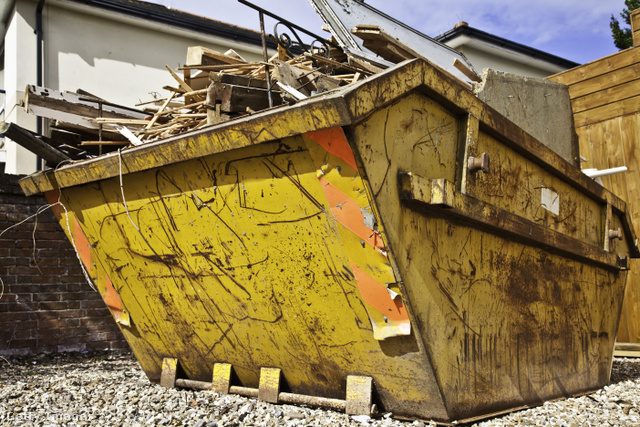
(110, 389)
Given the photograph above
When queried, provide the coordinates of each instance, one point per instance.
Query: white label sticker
(550, 201)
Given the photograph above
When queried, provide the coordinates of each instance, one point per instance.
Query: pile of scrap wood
(214, 87)
(217, 87)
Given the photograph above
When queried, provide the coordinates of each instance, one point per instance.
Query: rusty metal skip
(395, 236)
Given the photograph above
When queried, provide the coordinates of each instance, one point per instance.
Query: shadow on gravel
(66, 358)
(625, 369)
(48, 363)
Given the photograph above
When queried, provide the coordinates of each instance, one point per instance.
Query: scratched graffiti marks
(502, 322)
(112, 235)
(516, 185)
(420, 136)
(509, 313)
(439, 138)
(236, 242)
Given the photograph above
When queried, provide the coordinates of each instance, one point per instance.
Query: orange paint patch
(347, 212)
(111, 297)
(335, 142)
(377, 295)
(53, 197)
(82, 246)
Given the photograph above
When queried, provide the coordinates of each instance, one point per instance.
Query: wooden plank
(183, 85)
(393, 50)
(221, 379)
(85, 131)
(629, 329)
(326, 83)
(128, 122)
(635, 27)
(599, 114)
(214, 115)
(292, 92)
(164, 106)
(222, 67)
(183, 107)
(200, 55)
(293, 77)
(383, 44)
(169, 372)
(337, 65)
(359, 395)
(605, 81)
(599, 149)
(626, 314)
(615, 154)
(387, 50)
(32, 143)
(269, 387)
(191, 115)
(626, 353)
(237, 80)
(365, 66)
(112, 143)
(627, 346)
(235, 55)
(586, 150)
(236, 99)
(462, 67)
(606, 97)
(173, 89)
(197, 82)
(70, 107)
(630, 132)
(596, 68)
(62, 136)
(632, 303)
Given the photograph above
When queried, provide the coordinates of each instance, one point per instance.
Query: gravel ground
(110, 389)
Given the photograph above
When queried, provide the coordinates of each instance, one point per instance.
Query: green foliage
(622, 37)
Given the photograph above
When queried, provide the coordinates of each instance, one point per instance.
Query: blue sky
(577, 30)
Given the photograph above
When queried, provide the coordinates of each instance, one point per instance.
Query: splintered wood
(217, 87)
(212, 87)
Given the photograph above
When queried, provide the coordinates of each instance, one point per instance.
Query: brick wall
(48, 307)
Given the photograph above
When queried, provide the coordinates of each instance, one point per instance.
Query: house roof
(462, 29)
(162, 14)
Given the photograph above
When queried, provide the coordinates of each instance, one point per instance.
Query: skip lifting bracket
(358, 400)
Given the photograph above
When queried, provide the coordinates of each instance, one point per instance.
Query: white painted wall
(517, 64)
(111, 55)
(117, 57)
(19, 70)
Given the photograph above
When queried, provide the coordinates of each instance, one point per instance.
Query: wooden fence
(605, 97)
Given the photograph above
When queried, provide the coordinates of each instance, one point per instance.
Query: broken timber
(236, 99)
(72, 108)
(32, 143)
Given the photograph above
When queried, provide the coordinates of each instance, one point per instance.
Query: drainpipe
(39, 66)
